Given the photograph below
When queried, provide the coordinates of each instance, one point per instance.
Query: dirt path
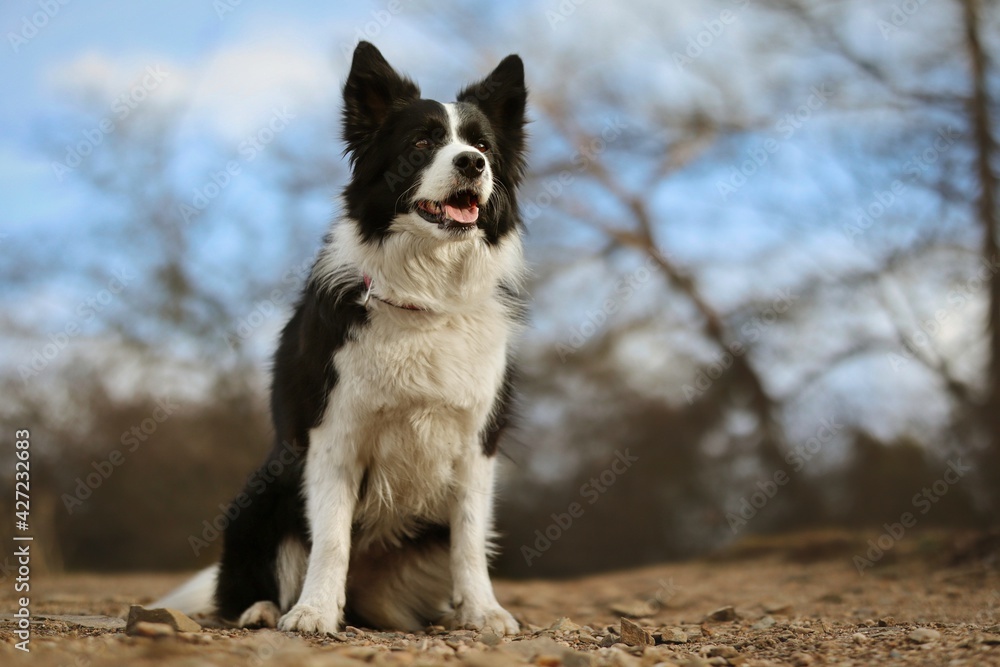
(786, 613)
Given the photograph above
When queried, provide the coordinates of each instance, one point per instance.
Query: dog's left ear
(372, 91)
(502, 97)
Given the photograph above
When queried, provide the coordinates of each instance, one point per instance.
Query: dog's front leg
(331, 488)
(475, 605)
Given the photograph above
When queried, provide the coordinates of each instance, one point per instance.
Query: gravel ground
(756, 609)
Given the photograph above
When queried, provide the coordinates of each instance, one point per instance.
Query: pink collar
(369, 294)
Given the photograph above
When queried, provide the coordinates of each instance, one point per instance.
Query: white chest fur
(415, 389)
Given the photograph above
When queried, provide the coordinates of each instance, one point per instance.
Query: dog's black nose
(470, 164)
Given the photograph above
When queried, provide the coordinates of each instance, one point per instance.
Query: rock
(530, 648)
(990, 639)
(764, 623)
(565, 625)
(722, 615)
(886, 622)
(634, 608)
(577, 659)
(147, 629)
(721, 651)
(671, 636)
(859, 638)
(800, 659)
(695, 661)
(489, 638)
(175, 619)
(780, 608)
(635, 635)
(924, 635)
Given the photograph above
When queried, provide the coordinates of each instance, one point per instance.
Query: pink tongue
(466, 215)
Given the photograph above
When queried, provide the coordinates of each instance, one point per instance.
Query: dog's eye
(422, 144)
(482, 146)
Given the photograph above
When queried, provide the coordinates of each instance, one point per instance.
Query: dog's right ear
(372, 90)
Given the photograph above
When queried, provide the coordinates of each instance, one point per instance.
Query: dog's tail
(196, 596)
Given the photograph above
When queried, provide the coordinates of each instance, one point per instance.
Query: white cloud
(232, 92)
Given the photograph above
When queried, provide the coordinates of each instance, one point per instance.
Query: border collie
(392, 378)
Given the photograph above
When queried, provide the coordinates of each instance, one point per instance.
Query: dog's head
(444, 170)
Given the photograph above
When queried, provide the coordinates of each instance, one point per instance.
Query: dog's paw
(263, 614)
(308, 619)
(496, 619)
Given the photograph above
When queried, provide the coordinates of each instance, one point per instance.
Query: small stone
(924, 635)
(722, 614)
(609, 641)
(721, 651)
(564, 625)
(489, 638)
(577, 659)
(764, 623)
(718, 662)
(780, 608)
(990, 639)
(695, 661)
(635, 635)
(671, 636)
(634, 608)
(175, 619)
(886, 622)
(859, 638)
(147, 629)
(800, 659)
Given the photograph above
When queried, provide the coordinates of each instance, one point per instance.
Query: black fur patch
(271, 507)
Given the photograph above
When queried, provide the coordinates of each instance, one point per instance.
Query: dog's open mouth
(461, 209)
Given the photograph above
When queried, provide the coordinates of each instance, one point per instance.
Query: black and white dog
(391, 380)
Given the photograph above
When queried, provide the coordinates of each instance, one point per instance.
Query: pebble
(859, 638)
(800, 659)
(721, 651)
(764, 623)
(565, 625)
(924, 635)
(171, 617)
(635, 635)
(147, 629)
(634, 609)
(723, 614)
(671, 636)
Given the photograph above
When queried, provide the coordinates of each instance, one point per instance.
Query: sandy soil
(786, 610)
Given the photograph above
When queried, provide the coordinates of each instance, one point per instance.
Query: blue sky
(231, 65)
